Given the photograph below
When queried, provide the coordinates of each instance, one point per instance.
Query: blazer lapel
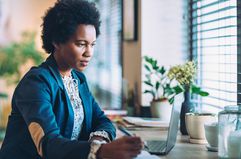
(70, 120)
(52, 65)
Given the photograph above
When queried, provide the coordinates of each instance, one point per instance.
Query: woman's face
(77, 52)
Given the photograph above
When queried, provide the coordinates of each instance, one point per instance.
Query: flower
(184, 74)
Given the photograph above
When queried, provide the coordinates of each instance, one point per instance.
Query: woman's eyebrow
(86, 41)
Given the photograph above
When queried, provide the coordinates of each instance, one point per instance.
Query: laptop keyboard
(156, 146)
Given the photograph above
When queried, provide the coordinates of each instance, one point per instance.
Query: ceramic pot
(161, 109)
(195, 126)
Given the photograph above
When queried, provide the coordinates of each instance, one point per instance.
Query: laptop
(163, 147)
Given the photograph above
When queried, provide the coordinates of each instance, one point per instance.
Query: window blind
(214, 45)
(105, 71)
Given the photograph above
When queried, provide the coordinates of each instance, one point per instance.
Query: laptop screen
(174, 121)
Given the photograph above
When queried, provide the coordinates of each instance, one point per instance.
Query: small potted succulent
(160, 87)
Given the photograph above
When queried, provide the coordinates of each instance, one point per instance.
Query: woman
(53, 114)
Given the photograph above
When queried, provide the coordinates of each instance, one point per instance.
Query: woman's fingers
(123, 148)
(134, 153)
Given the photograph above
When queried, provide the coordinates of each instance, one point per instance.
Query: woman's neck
(63, 68)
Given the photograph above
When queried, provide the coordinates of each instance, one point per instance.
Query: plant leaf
(147, 68)
(148, 77)
(151, 92)
(178, 89)
(154, 64)
(148, 83)
(162, 70)
(157, 85)
(171, 100)
(203, 93)
(169, 91)
(148, 59)
(3, 95)
(156, 68)
(195, 89)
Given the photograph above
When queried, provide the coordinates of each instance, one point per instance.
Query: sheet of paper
(146, 155)
(149, 122)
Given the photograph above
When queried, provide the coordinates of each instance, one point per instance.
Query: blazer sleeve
(99, 119)
(101, 122)
(33, 99)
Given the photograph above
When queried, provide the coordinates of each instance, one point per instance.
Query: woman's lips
(84, 63)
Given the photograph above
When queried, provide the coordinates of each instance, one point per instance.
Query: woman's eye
(81, 45)
(92, 45)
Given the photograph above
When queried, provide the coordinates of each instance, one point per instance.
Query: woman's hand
(123, 148)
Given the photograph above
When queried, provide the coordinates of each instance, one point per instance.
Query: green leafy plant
(159, 85)
(185, 75)
(13, 56)
(3, 95)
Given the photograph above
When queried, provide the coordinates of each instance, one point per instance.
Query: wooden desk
(182, 150)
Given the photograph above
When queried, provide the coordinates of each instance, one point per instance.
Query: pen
(122, 129)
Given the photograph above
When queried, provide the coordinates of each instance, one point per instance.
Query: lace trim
(101, 133)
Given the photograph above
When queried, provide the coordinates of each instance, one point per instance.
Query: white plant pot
(195, 126)
(161, 109)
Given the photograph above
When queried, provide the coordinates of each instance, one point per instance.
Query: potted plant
(161, 88)
(192, 120)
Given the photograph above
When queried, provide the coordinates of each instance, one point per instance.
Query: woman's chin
(82, 68)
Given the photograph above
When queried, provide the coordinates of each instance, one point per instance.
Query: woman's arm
(33, 99)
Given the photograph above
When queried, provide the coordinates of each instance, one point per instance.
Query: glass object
(229, 138)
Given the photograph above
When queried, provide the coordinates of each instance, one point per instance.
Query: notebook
(163, 147)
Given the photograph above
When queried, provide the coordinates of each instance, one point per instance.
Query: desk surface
(182, 150)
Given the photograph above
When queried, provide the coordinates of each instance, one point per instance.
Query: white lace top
(71, 86)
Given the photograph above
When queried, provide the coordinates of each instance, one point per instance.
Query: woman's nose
(88, 51)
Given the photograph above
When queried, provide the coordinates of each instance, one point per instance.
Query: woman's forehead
(85, 33)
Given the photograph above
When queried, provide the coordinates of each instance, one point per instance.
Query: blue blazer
(41, 98)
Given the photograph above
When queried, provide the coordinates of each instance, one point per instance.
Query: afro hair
(61, 21)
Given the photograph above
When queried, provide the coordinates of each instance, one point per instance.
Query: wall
(22, 15)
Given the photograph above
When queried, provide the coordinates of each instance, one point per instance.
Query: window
(214, 45)
(105, 71)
